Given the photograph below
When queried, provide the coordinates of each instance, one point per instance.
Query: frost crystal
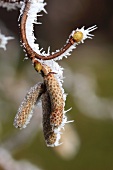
(35, 7)
(10, 6)
(4, 40)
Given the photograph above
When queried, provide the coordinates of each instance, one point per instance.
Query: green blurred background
(88, 142)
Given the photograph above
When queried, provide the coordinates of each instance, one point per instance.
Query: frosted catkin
(56, 96)
(25, 110)
(49, 134)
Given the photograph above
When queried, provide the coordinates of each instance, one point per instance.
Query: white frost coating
(35, 7)
(67, 52)
(21, 9)
(57, 140)
(10, 6)
(4, 40)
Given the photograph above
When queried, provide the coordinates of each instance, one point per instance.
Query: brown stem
(31, 53)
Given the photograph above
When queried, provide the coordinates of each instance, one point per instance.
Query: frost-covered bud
(78, 36)
(25, 110)
(82, 34)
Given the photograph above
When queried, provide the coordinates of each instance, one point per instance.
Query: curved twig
(31, 53)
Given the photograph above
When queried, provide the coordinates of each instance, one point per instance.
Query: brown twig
(31, 53)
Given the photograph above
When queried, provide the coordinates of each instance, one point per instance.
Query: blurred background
(88, 142)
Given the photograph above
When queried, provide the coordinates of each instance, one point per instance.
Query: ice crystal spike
(25, 110)
(10, 4)
(4, 40)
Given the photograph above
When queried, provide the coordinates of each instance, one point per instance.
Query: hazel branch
(50, 91)
(31, 53)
